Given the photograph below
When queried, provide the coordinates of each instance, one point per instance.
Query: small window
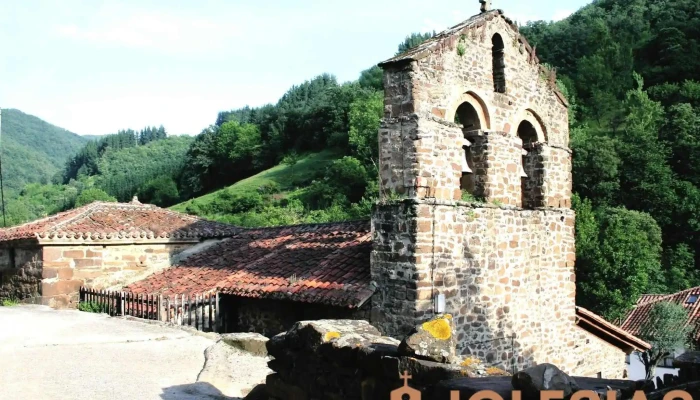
(499, 64)
(692, 299)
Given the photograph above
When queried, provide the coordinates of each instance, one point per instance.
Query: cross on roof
(485, 5)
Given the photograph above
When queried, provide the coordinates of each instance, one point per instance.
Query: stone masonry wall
(111, 267)
(440, 80)
(422, 157)
(421, 147)
(592, 355)
(20, 273)
(270, 317)
(507, 276)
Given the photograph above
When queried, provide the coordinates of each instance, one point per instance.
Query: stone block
(74, 253)
(52, 254)
(253, 343)
(93, 254)
(87, 262)
(66, 287)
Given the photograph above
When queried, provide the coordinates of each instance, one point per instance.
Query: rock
(533, 380)
(432, 340)
(258, 393)
(253, 343)
(276, 388)
(309, 335)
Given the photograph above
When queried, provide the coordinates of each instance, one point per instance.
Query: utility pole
(2, 188)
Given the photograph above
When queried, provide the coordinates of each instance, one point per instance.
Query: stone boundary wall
(110, 267)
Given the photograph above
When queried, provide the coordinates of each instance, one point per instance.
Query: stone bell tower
(474, 218)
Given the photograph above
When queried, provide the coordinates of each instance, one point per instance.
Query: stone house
(101, 245)
(638, 318)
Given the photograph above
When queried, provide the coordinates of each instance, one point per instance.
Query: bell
(522, 170)
(465, 166)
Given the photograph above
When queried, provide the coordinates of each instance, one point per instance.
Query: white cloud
(152, 30)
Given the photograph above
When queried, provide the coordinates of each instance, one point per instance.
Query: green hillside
(278, 195)
(33, 150)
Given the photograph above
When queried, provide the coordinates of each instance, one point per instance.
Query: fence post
(211, 317)
(189, 309)
(217, 322)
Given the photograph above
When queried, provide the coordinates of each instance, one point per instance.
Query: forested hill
(33, 150)
(630, 68)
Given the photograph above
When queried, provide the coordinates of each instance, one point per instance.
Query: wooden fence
(200, 311)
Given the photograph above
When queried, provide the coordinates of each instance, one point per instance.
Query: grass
(9, 302)
(291, 179)
(89, 306)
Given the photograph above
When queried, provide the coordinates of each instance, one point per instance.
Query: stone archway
(531, 170)
(471, 107)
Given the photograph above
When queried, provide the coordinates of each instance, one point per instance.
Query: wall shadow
(194, 391)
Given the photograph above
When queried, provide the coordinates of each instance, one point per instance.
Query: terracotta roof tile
(322, 263)
(604, 329)
(639, 315)
(105, 221)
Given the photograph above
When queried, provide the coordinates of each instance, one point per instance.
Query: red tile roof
(639, 315)
(609, 332)
(321, 263)
(115, 221)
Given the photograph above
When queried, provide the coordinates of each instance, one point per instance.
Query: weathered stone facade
(504, 264)
(270, 317)
(108, 266)
(20, 272)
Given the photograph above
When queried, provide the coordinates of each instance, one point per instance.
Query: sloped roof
(437, 41)
(612, 334)
(639, 315)
(321, 263)
(117, 221)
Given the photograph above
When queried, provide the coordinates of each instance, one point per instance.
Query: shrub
(9, 302)
(92, 307)
(269, 188)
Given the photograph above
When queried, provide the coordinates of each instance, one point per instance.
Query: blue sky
(94, 67)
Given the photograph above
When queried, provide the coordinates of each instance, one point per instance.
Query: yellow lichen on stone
(439, 328)
(470, 361)
(495, 371)
(330, 336)
(448, 316)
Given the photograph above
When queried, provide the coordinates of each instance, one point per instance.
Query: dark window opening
(468, 181)
(13, 263)
(467, 116)
(530, 185)
(499, 64)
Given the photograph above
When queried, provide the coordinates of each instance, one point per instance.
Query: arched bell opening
(530, 181)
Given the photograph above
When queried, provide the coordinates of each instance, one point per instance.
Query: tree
(365, 115)
(666, 329)
(413, 40)
(618, 258)
(90, 195)
(160, 191)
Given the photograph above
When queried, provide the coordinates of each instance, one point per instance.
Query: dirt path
(49, 354)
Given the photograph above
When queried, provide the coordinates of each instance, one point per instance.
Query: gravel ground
(67, 354)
